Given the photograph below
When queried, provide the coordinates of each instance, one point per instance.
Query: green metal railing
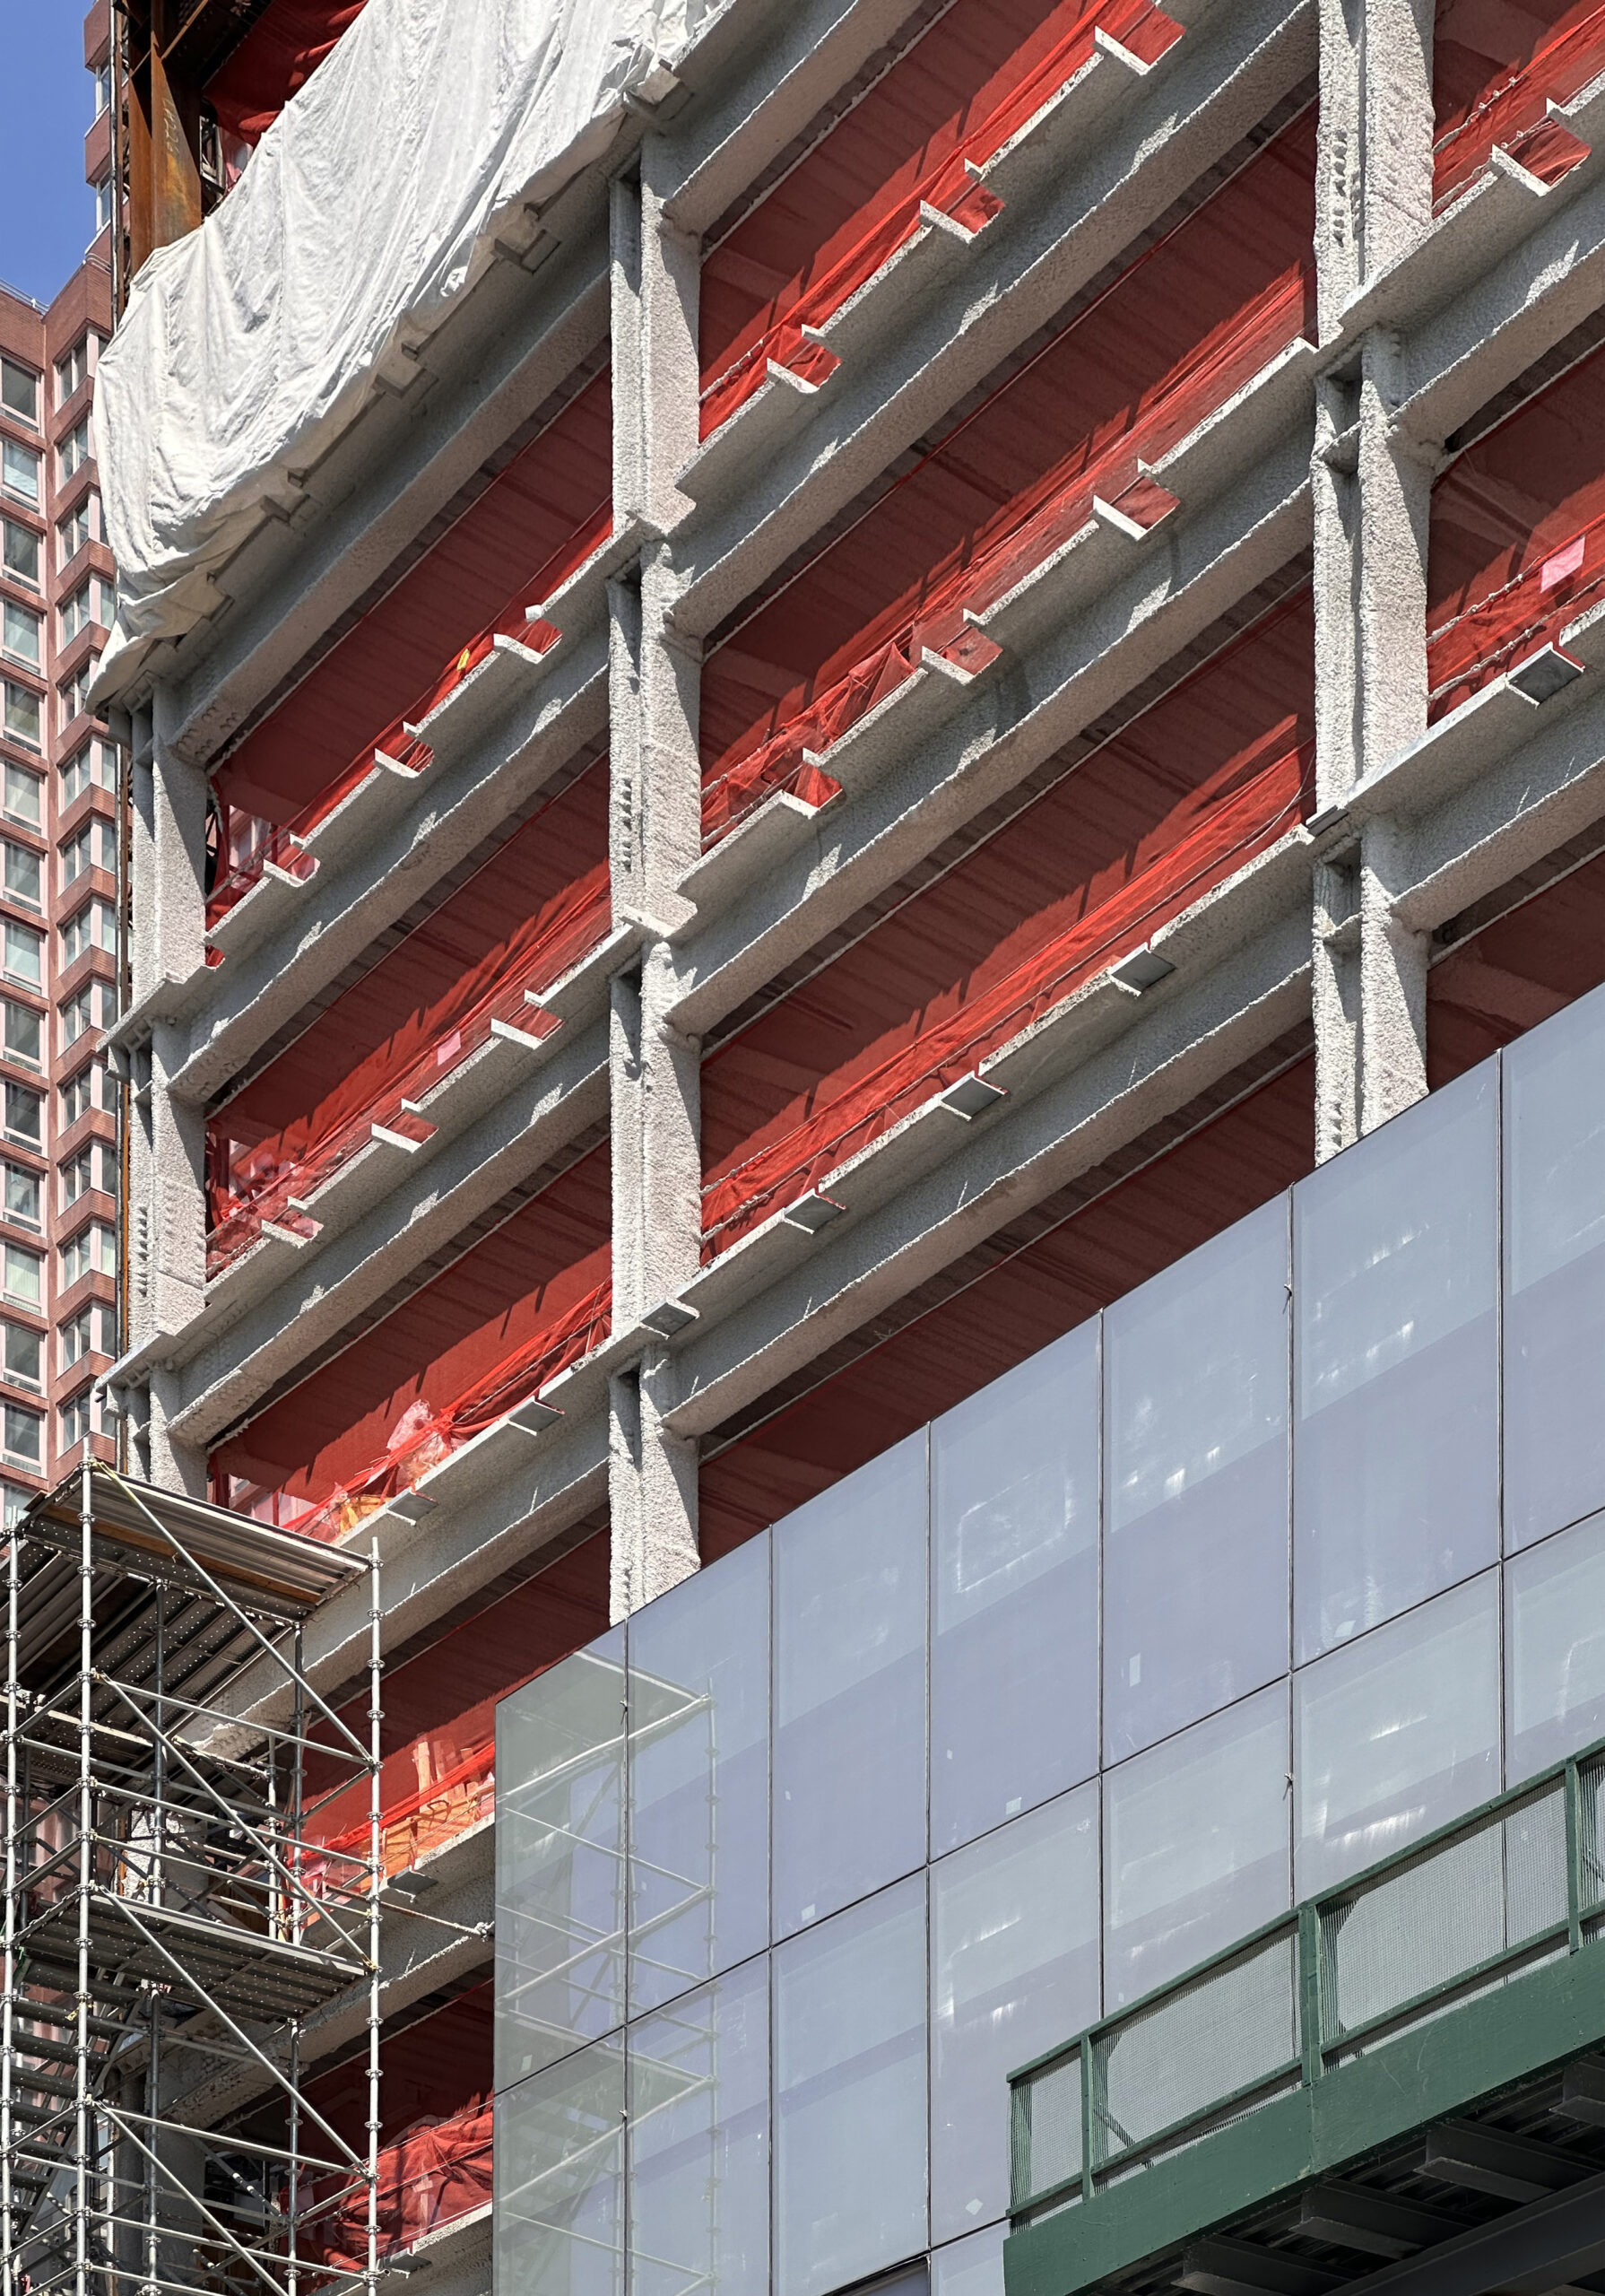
(1518, 1882)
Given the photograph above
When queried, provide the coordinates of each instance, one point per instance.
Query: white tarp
(248, 345)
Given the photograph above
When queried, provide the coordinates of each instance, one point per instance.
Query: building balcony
(1394, 2083)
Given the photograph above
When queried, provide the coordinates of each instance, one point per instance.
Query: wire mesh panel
(1443, 1917)
(1590, 1835)
(1232, 2029)
(1048, 2130)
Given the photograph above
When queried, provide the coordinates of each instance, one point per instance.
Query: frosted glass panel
(1555, 1648)
(850, 2093)
(1395, 1451)
(1397, 1735)
(1195, 1557)
(1014, 1650)
(1014, 1955)
(1555, 1273)
(699, 1777)
(850, 1689)
(559, 2216)
(970, 2267)
(1196, 1834)
(699, 2143)
(560, 1860)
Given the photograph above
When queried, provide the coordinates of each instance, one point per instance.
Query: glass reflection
(559, 2217)
(699, 2143)
(1555, 1648)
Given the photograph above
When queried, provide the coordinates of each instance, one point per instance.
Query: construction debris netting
(1495, 72)
(1520, 969)
(1190, 323)
(498, 560)
(913, 144)
(1210, 775)
(460, 1353)
(1036, 1289)
(1518, 545)
(369, 208)
(538, 905)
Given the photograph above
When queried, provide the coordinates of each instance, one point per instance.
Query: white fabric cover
(248, 345)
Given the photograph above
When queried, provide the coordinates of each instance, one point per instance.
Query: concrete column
(167, 1215)
(1371, 495)
(654, 694)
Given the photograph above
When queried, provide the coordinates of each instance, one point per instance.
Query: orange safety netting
(1209, 777)
(430, 1792)
(946, 108)
(1192, 321)
(483, 1336)
(1495, 72)
(533, 909)
(1518, 545)
(439, 2172)
(285, 843)
(277, 55)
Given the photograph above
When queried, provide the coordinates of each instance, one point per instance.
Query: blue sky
(46, 100)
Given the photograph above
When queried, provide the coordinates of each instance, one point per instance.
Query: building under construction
(865, 1090)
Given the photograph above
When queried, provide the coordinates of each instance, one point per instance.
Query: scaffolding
(171, 1926)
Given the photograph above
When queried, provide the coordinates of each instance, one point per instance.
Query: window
(23, 871)
(14, 1505)
(20, 552)
(92, 1251)
(22, 801)
(90, 1168)
(102, 89)
(94, 847)
(74, 450)
(79, 526)
(22, 719)
(93, 926)
(20, 633)
(22, 1435)
(103, 204)
(77, 612)
(93, 1007)
(74, 370)
(85, 1091)
(24, 1195)
(19, 391)
(88, 1333)
(19, 471)
(21, 1356)
(24, 1115)
(21, 1273)
(75, 695)
(93, 767)
(22, 946)
(22, 1037)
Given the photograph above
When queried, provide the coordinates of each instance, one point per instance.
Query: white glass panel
(972, 2266)
(1196, 1552)
(1395, 1452)
(850, 2093)
(700, 2142)
(1197, 1845)
(850, 1688)
(559, 2218)
(699, 1777)
(1014, 1969)
(560, 1860)
(1555, 1273)
(1555, 1648)
(1396, 1734)
(1014, 1650)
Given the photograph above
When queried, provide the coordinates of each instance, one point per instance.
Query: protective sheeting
(1192, 321)
(277, 56)
(537, 520)
(1210, 775)
(1517, 540)
(539, 904)
(369, 207)
(963, 89)
(1495, 70)
(461, 1352)
(1101, 1251)
(1517, 972)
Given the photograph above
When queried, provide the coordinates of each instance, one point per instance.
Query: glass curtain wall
(1217, 1599)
